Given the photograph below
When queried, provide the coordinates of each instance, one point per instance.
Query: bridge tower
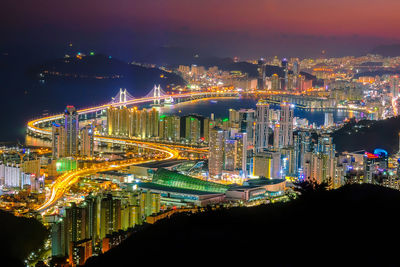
(157, 95)
(122, 97)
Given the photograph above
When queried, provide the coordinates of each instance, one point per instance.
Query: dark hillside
(368, 135)
(19, 237)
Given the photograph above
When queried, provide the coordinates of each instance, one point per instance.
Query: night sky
(248, 28)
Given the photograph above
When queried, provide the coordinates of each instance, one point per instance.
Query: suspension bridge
(157, 96)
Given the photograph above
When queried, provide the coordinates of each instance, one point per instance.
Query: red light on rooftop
(371, 155)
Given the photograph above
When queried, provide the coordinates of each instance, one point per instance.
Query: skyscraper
(261, 74)
(262, 126)
(291, 82)
(277, 129)
(328, 119)
(58, 141)
(110, 215)
(133, 122)
(296, 68)
(71, 125)
(233, 116)
(275, 84)
(302, 147)
(246, 123)
(192, 129)
(152, 123)
(206, 130)
(241, 157)
(285, 67)
(230, 155)
(87, 141)
(75, 219)
(286, 125)
(267, 164)
(170, 127)
(65, 137)
(216, 152)
(323, 160)
(143, 123)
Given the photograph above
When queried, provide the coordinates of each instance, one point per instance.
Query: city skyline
(189, 131)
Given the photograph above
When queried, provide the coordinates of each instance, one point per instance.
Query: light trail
(171, 151)
(65, 181)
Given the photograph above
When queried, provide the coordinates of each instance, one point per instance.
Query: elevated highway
(166, 151)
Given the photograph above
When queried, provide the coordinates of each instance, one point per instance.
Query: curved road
(169, 151)
(65, 181)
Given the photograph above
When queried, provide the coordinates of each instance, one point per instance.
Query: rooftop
(161, 164)
(175, 179)
(153, 186)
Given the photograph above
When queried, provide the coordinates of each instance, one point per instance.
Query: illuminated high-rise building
(87, 141)
(328, 119)
(296, 68)
(170, 127)
(110, 215)
(75, 221)
(241, 152)
(374, 164)
(152, 123)
(206, 130)
(92, 206)
(262, 165)
(285, 67)
(233, 116)
(275, 82)
(261, 74)
(286, 125)
(323, 160)
(118, 121)
(287, 161)
(192, 128)
(123, 121)
(133, 122)
(59, 246)
(277, 129)
(216, 152)
(230, 155)
(262, 126)
(150, 203)
(143, 123)
(267, 164)
(12, 176)
(112, 121)
(246, 123)
(302, 147)
(301, 83)
(295, 74)
(65, 137)
(291, 82)
(58, 139)
(71, 125)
